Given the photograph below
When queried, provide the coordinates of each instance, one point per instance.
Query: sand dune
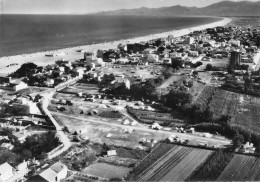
(40, 59)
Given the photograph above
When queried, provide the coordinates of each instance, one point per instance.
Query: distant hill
(224, 8)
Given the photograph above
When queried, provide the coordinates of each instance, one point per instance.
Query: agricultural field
(196, 89)
(158, 151)
(248, 114)
(241, 168)
(243, 109)
(224, 103)
(213, 167)
(175, 165)
(164, 119)
(106, 171)
(204, 97)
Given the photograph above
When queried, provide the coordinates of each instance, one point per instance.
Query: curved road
(62, 136)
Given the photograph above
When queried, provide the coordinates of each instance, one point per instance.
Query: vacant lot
(98, 132)
(106, 171)
(173, 80)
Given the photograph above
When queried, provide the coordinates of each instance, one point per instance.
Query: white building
(54, 173)
(152, 58)
(6, 171)
(18, 85)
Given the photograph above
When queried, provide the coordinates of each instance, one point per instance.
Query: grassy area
(111, 114)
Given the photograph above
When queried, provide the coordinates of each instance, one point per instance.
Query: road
(62, 136)
(191, 137)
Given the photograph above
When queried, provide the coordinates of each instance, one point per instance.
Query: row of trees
(204, 121)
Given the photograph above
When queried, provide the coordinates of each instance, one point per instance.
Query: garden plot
(81, 87)
(106, 171)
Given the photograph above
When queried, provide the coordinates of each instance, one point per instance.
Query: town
(174, 108)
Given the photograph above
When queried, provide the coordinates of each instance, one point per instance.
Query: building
(6, 172)
(4, 79)
(8, 146)
(235, 57)
(119, 81)
(21, 135)
(88, 56)
(54, 173)
(78, 71)
(189, 40)
(167, 61)
(194, 53)
(152, 58)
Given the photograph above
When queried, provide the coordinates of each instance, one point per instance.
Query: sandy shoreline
(40, 59)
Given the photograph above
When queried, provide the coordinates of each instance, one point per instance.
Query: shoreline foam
(40, 59)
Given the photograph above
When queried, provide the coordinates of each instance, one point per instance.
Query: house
(119, 81)
(152, 58)
(18, 85)
(21, 135)
(4, 79)
(167, 61)
(26, 108)
(6, 171)
(49, 82)
(111, 153)
(88, 56)
(78, 71)
(156, 126)
(194, 53)
(8, 146)
(54, 173)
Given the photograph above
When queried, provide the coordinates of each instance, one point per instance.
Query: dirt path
(62, 136)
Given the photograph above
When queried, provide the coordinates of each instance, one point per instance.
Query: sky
(91, 6)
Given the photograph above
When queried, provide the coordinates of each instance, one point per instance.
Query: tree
(160, 49)
(150, 87)
(177, 64)
(176, 99)
(224, 120)
(238, 140)
(199, 63)
(167, 73)
(26, 69)
(190, 84)
(209, 67)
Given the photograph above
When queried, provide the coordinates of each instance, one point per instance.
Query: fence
(55, 150)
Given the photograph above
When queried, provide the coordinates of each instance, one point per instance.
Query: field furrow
(238, 169)
(166, 167)
(185, 168)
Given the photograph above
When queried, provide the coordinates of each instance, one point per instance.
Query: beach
(71, 54)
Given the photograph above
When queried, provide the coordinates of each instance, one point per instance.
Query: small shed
(111, 153)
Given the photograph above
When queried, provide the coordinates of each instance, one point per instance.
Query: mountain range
(223, 8)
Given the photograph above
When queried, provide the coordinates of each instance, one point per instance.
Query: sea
(22, 34)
